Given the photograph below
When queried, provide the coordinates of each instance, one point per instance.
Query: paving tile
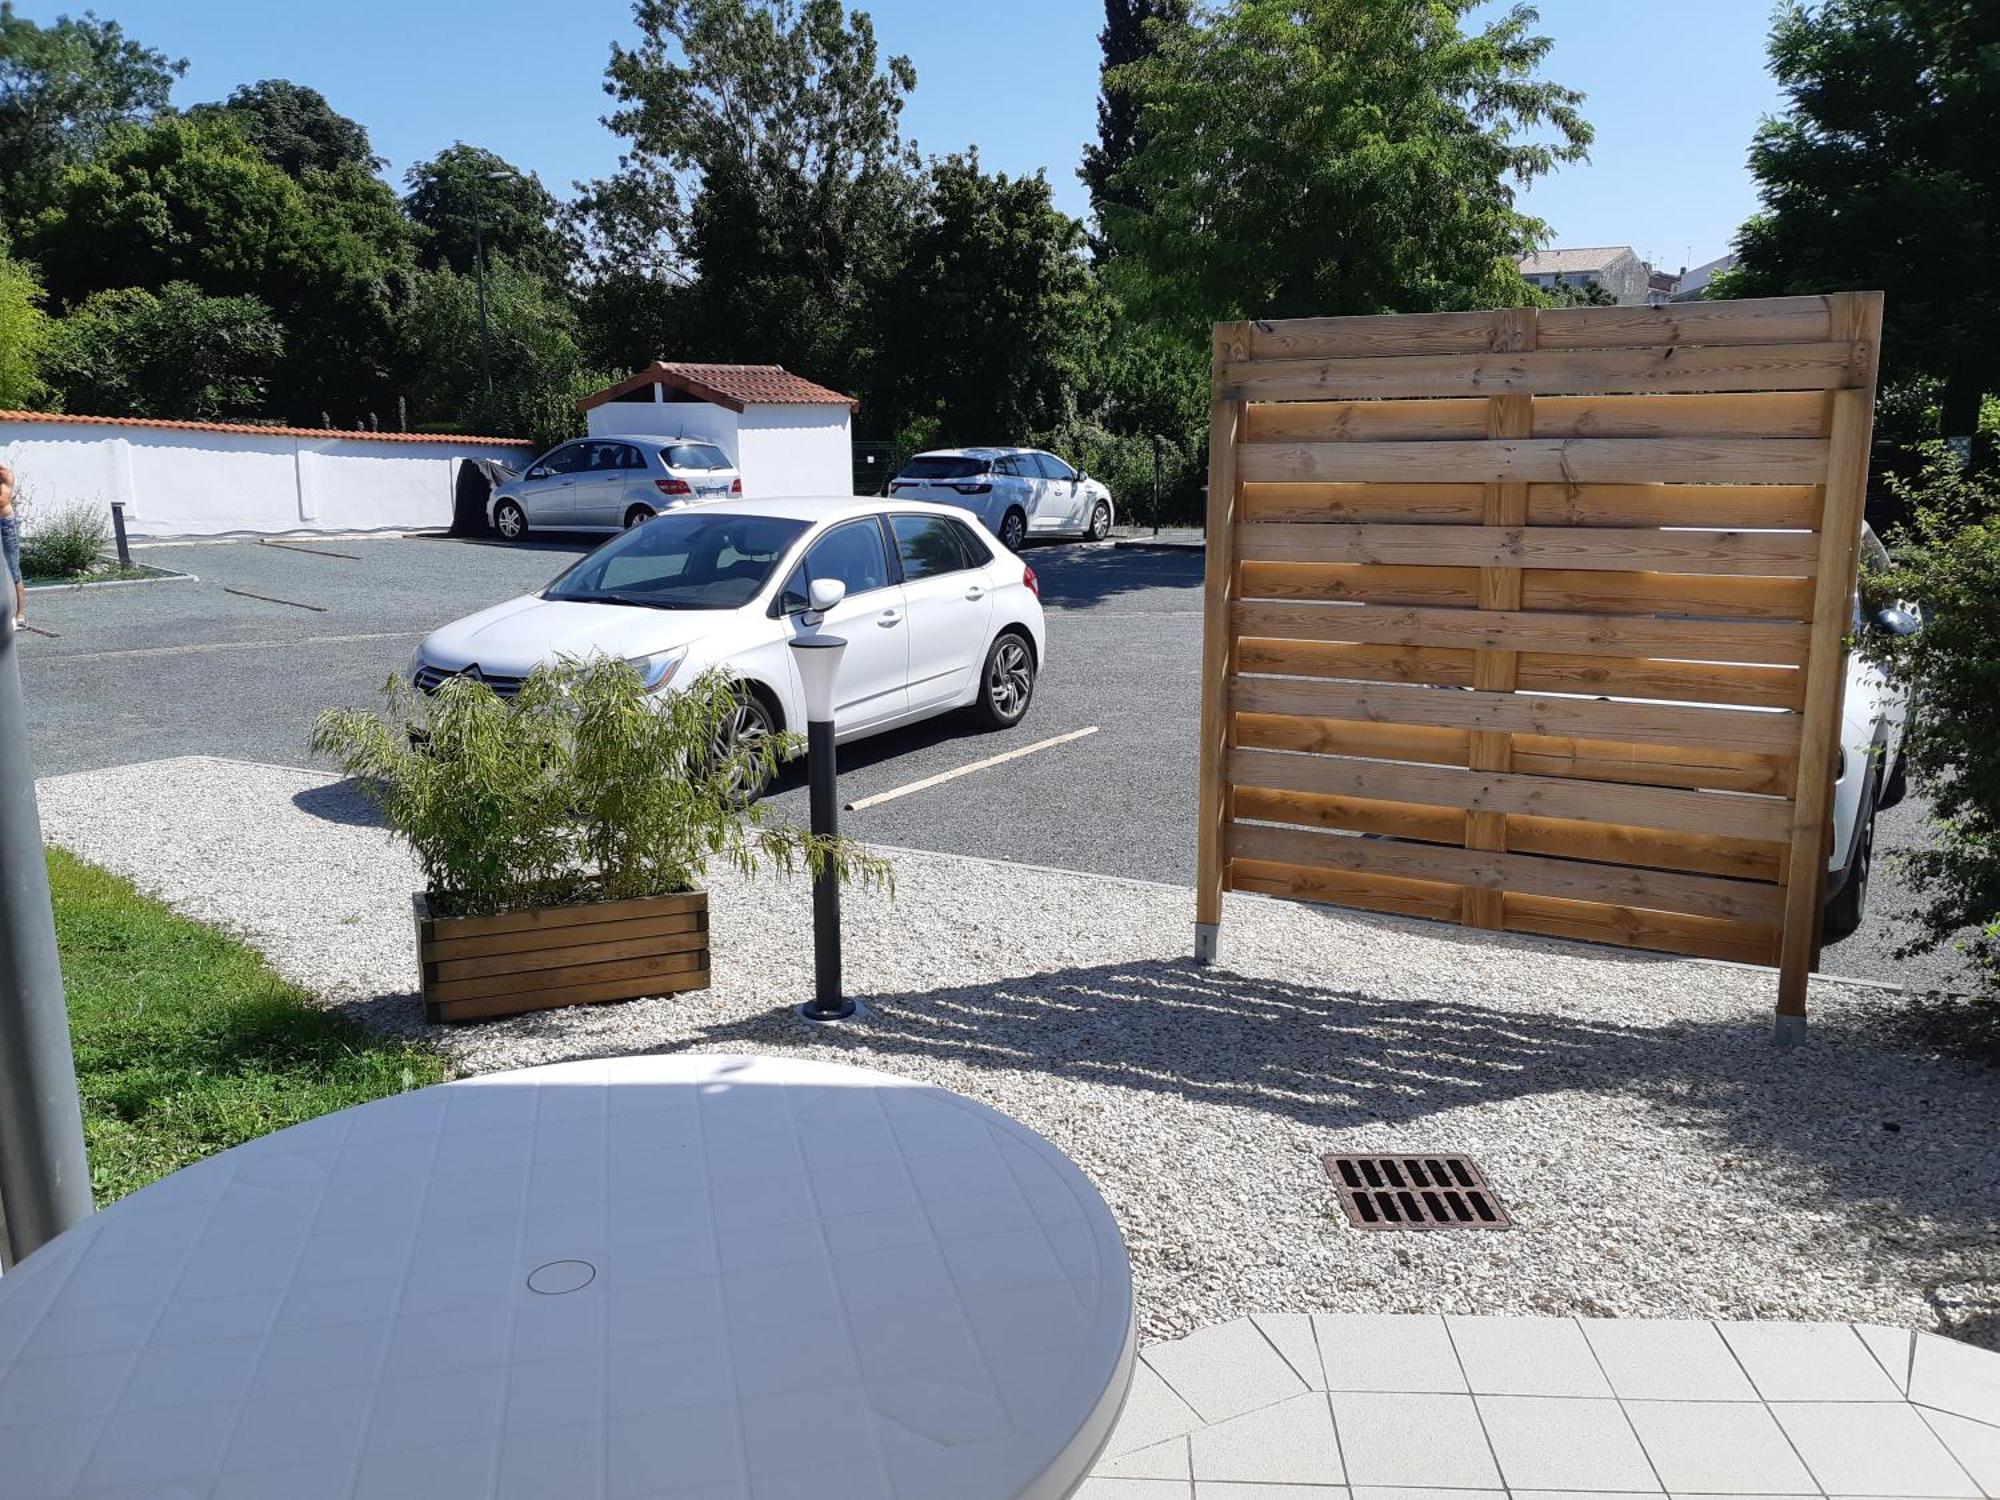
(1721, 1446)
(1956, 1377)
(1562, 1443)
(1153, 1414)
(1391, 1492)
(1812, 1495)
(1168, 1460)
(1224, 1489)
(1132, 1489)
(1808, 1362)
(1892, 1348)
(1413, 1439)
(1855, 1449)
(1526, 1357)
(1386, 1352)
(1225, 1371)
(1290, 1443)
(1292, 1335)
(1666, 1361)
(1975, 1445)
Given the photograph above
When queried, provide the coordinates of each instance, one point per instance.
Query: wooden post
(1225, 415)
(1850, 427)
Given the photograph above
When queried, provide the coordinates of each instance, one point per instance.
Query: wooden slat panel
(1739, 507)
(489, 1007)
(625, 970)
(1367, 663)
(1626, 677)
(1655, 765)
(562, 958)
(1764, 818)
(543, 919)
(1660, 932)
(1351, 737)
(1746, 367)
(1788, 553)
(1387, 893)
(1770, 643)
(1746, 414)
(1545, 460)
(1358, 582)
(1615, 593)
(1654, 849)
(1652, 890)
(1520, 713)
(1387, 333)
(1758, 320)
(1370, 421)
(1412, 504)
(1436, 825)
(591, 932)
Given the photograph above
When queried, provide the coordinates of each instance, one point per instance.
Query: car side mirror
(538, 472)
(1893, 619)
(825, 595)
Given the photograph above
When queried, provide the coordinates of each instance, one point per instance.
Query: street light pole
(485, 340)
(44, 1175)
(818, 657)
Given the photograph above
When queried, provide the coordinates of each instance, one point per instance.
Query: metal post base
(1206, 937)
(1787, 1031)
(846, 1010)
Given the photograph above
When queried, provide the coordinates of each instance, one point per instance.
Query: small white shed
(789, 436)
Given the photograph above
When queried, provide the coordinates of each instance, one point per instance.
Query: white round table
(706, 1277)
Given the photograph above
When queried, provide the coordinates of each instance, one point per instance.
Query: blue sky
(1674, 90)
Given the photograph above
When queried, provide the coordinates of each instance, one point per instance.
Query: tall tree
(1131, 33)
(293, 127)
(24, 331)
(175, 353)
(1307, 157)
(466, 188)
(61, 87)
(767, 168)
(1883, 175)
(993, 312)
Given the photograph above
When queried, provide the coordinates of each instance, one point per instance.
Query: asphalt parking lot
(238, 664)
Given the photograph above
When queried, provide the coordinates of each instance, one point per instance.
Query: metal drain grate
(1415, 1192)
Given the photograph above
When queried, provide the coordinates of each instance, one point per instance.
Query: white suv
(1018, 492)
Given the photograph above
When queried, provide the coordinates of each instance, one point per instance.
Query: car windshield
(942, 466)
(681, 560)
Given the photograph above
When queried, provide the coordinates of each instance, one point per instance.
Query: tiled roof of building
(733, 386)
(257, 430)
(1571, 262)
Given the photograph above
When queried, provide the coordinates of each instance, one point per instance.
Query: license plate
(713, 489)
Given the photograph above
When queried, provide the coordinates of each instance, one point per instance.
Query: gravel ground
(1661, 1158)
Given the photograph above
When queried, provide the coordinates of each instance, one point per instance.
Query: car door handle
(889, 617)
(975, 592)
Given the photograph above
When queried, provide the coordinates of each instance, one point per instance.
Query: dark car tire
(638, 515)
(1897, 787)
(1844, 912)
(1006, 681)
(753, 719)
(1100, 521)
(1014, 530)
(510, 520)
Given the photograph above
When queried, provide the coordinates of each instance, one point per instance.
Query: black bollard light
(818, 657)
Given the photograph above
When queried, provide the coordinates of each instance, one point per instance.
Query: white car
(610, 483)
(936, 614)
(1018, 492)
(1872, 775)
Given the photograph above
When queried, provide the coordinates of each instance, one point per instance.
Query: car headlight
(657, 671)
(416, 664)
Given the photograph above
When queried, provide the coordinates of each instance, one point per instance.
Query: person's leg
(10, 543)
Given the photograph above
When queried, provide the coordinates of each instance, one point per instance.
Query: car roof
(972, 452)
(821, 507)
(656, 439)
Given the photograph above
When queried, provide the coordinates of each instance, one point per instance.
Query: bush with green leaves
(583, 787)
(1947, 560)
(63, 544)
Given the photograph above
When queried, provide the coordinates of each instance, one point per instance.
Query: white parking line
(977, 765)
(196, 647)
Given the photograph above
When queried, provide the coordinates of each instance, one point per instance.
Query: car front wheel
(746, 726)
(1100, 521)
(1007, 682)
(1850, 903)
(510, 520)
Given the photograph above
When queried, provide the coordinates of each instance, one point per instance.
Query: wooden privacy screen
(1551, 604)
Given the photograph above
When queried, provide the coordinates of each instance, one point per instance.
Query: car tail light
(736, 486)
(974, 489)
(1034, 584)
(673, 487)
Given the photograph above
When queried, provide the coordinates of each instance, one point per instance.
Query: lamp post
(479, 272)
(818, 657)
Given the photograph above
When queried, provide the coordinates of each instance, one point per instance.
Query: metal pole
(485, 343)
(1156, 484)
(44, 1175)
(827, 1003)
(118, 531)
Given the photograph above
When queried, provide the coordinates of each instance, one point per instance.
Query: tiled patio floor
(1356, 1407)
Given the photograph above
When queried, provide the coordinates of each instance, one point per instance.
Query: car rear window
(694, 456)
(942, 467)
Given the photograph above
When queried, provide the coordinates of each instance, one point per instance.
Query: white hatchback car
(609, 483)
(1018, 492)
(936, 614)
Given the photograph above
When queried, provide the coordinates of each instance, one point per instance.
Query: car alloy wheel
(747, 724)
(1013, 530)
(510, 520)
(1010, 680)
(1100, 521)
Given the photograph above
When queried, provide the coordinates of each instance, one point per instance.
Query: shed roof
(256, 430)
(1572, 262)
(733, 386)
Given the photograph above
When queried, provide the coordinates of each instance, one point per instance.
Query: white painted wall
(782, 450)
(180, 482)
(689, 419)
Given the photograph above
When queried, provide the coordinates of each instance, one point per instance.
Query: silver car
(610, 483)
(1018, 492)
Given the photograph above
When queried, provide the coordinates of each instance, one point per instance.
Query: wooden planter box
(476, 968)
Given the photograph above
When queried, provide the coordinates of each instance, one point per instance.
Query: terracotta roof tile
(256, 430)
(733, 386)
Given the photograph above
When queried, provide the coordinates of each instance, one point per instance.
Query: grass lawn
(187, 1043)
